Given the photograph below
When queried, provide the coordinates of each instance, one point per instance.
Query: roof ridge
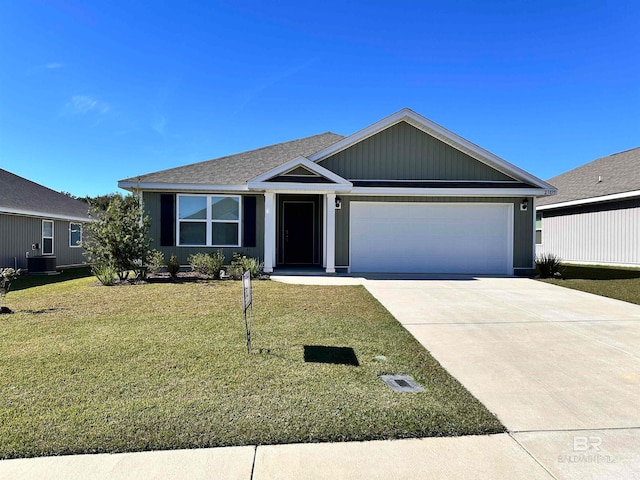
(608, 175)
(591, 162)
(34, 183)
(20, 194)
(255, 150)
(624, 151)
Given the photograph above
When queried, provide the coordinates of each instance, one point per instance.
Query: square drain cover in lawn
(338, 355)
(402, 383)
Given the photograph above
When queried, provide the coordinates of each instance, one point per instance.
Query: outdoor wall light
(338, 203)
(524, 205)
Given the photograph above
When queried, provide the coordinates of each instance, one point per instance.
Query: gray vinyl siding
(523, 248)
(403, 152)
(18, 233)
(604, 234)
(152, 208)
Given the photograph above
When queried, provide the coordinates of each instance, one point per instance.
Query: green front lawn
(620, 283)
(85, 368)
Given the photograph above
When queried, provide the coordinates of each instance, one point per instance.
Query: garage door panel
(431, 238)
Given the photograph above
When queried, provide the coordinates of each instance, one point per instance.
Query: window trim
(540, 216)
(52, 237)
(208, 221)
(71, 244)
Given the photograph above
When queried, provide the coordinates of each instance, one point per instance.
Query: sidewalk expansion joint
(253, 464)
(532, 456)
(599, 429)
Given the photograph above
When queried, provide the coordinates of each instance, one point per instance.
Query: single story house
(402, 195)
(38, 223)
(595, 218)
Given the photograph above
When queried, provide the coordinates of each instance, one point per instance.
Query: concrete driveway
(560, 368)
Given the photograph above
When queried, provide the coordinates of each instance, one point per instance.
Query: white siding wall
(606, 236)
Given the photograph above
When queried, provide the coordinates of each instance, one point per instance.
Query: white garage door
(474, 238)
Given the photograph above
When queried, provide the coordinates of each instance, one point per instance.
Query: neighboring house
(403, 195)
(595, 218)
(36, 221)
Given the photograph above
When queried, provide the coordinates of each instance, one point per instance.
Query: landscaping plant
(208, 264)
(241, 263)
(116, 238)
(548, 265)
(155, 262)
(104, 273)
(7, 276)
(173, 266)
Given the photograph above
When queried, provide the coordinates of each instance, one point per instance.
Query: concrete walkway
(560, 368)
(495, 457)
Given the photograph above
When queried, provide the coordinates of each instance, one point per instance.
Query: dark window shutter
(249, 221)
(167, 220)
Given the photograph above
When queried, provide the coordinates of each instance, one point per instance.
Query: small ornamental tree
(116, 238)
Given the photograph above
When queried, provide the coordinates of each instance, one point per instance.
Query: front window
(538, 229)
(209, 220)
(47, 237)
(75, 234)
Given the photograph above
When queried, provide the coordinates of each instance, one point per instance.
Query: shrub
(105, 273)
(173, 266)
(117, 236)
(207, 264)
(7, 276)
(155, 261)
(242, 263)
(549, 265)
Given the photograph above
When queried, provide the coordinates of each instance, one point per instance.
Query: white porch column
(330, 233)
(269, 231)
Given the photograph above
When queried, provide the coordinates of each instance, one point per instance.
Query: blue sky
(94, 92)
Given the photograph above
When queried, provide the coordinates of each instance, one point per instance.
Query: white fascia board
(450, 192)
(180, 187)
(296, 162)
(586, 201)
(300, 187)
(46, 216)
(441, 133)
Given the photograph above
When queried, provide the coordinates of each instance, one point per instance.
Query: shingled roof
(239, 168)
(19, 195)
(617, 173)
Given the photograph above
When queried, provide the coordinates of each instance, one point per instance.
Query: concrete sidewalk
(493, 457)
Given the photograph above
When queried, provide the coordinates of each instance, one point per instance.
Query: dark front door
(298, 232)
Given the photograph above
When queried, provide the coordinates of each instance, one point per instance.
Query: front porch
(299, 232)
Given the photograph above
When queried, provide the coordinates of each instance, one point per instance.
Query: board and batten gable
(404, 152)
(19, 232)
(153, 207)
(523, 250)
(602, 233)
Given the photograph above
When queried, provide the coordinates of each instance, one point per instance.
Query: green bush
(117, 236)
(548, 265)
(207, 264)
(105, 273)
(173, 266)
(155, 261)
(242, 263)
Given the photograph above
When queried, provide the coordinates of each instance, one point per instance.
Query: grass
(29, 281)
(86, 368)
(619, 283)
